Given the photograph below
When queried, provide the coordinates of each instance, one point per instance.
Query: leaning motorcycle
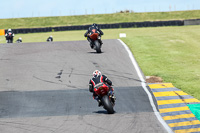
(95, 36)
(106, 96)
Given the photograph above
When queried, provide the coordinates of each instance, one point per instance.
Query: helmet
(9, 30)
(20, 38)
(96, 73)
(51, 36)
(94, 24)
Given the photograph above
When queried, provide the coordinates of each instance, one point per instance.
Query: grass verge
(37, 22)
(171, 53)
(168, 52)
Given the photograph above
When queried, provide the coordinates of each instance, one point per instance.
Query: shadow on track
(103, 112)
(95, 53)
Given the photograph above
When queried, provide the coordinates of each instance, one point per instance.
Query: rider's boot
(98, 100)
(100, 41)
(91, 45)
(100, 103)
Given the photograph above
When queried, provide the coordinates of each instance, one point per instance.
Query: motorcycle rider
(19, 40)
(99, 78)
(50, 39)
(9, 32)
(90, 31)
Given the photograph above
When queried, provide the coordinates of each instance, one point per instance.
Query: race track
(44, 88)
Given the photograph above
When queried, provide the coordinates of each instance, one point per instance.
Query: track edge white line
(160, 119)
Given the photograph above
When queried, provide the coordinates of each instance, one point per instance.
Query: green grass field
(171, 53)
(98, 18)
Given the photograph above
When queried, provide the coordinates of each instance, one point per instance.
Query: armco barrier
(102, 26)
(192, 22)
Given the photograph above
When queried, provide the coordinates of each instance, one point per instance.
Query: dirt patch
(153, 79)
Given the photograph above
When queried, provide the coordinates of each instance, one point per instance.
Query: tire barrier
(102, 26)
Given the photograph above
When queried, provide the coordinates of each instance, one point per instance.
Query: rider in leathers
(50, 39)
(9, 32)
(98, 78)
(94, 26)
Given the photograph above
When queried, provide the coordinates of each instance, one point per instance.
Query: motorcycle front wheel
(9, 41)
(97, 46)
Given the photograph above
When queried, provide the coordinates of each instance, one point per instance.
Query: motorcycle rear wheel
(9, 41)
(107, 104)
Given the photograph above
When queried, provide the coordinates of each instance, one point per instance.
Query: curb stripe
(161, 102)
(174, 109)
(176, 113)
(174, 97)
(172, 105)
(181, 120)
(164, 85)
(178, 116)
(196, 130)
(174, 93)
(165, 89)
(186, 123)
(186, 127)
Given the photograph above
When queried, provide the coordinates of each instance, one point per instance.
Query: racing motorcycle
(95, 36)
(9, 37)
(106, 96)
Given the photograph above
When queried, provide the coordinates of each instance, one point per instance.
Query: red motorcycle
(95, 37)
(106, 96)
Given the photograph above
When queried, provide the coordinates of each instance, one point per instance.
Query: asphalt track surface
(44, 88)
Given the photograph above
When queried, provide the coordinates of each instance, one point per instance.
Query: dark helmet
(94, 24)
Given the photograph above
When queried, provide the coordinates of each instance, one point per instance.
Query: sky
(43, 8)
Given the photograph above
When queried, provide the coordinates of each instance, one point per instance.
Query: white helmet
(96, 73)
(20, 38)
(9, 30)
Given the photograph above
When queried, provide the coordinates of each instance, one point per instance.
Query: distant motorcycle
(95, 36)
(9, 37)
(19, 40)
(50, 39)
(107, 97)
